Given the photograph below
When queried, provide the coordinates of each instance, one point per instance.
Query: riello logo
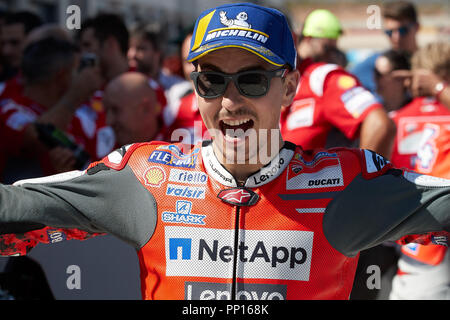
(261, 254)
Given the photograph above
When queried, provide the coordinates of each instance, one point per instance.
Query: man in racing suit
(208, 227)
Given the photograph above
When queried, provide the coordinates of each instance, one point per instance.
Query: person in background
(47, 70)
(320, 32)
(183, 88)
(424, 82)
(132, 109)
(103, 40)
(16, 27)
(384, 256)
(331, 108)
(106, 36)
(183, 116)
(424, 126)
(390, 87)
(396, 95)
(401, 25)
(146, 55)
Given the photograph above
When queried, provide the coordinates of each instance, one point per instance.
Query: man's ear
(290, 85)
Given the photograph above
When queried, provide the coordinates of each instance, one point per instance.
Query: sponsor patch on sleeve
(346, 82)
(374, 164)
(356, 100)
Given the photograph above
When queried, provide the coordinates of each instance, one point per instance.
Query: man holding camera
(45, 93)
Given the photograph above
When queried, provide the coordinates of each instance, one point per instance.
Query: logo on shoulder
(324, 170)
(183, 214)
(154, 177)
(171, 155)
(374, 161)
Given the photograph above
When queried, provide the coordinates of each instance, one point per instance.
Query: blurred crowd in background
(69, 98)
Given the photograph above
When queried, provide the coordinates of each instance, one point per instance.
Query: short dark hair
(42, 58)
(399, 60)
(108, 25)
(400, 10)
(28, 19)
(151, 33)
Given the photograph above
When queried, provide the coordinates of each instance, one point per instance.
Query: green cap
(322, 23)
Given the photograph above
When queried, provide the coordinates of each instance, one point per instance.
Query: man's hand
(421, 82)
(84, 84)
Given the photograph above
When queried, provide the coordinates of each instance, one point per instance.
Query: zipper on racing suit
(235, 257)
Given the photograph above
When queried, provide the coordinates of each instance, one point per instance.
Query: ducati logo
(238, 196)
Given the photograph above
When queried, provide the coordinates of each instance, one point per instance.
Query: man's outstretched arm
(100, 200)
(371, 211)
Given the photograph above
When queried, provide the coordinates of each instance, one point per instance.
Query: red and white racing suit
(87, 128)
(199, 235)
(423, 144)
(329, 100)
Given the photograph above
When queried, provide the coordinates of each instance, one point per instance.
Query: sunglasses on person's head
(403, 30)
(253, 84)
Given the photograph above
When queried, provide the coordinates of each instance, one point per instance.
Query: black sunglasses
(254, 83)
(403, 30)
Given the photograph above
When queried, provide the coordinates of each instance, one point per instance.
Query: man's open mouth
(235, 130)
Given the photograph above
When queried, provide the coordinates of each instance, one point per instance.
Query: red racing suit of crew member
(200, 236)
(185, 121)
(327, 97)
(411, 121)
(18, 111)
(423, 144)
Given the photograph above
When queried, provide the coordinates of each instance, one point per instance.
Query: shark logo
(240, 21)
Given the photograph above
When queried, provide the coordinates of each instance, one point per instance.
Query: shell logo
(346, 82)
(154, 177)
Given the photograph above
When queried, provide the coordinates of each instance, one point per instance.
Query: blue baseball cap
(260, 30)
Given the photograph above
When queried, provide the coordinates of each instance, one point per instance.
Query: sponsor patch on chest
(260, 254)
(323, 171)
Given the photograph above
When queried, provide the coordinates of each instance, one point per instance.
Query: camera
(87, 60)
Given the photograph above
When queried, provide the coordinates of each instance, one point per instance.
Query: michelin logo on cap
(240, 20)
(237, 27)
(260, 30)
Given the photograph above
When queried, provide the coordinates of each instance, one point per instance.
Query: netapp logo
(222, 291)
(261, 254)
(273, 256)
